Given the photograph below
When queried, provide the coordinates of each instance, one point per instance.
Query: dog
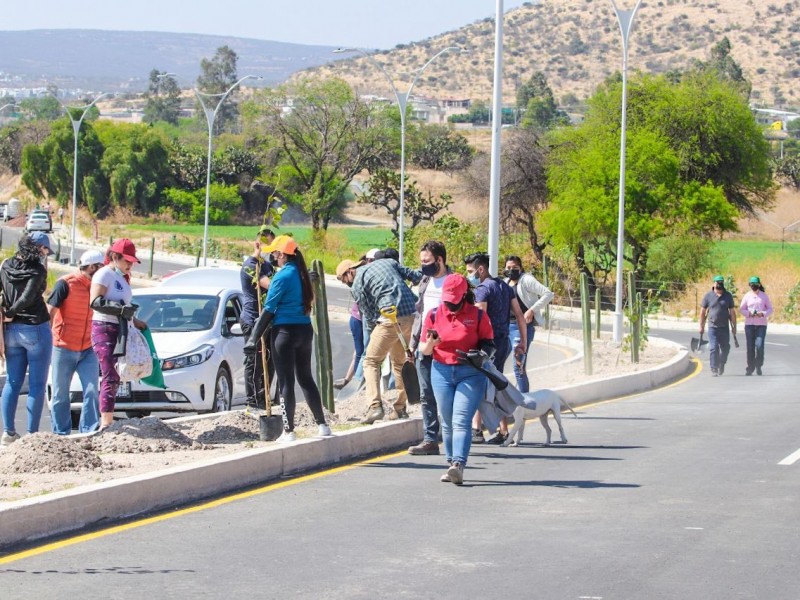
(547, 401)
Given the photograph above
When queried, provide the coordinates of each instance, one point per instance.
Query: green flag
(156, 378)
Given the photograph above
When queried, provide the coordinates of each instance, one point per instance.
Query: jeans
(357, 331)
(65, 364)
(520, 371)
(719, 344)
(365, 333)
(292, 346)
(104, 338)
(754, 336)
(459, 390)
(503, 349)
(28, 348)
(430, 416)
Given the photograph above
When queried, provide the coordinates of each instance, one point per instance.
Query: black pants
(291, 349)
(254, 373)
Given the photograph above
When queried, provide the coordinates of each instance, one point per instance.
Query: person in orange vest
(71, 321)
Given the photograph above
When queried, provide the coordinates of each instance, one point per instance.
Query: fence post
(197, 259)
(546, 282)
(1, 237)
(633, 318)
(597, 300)
(586, 322)
(110, 240)
(152, 253)
(58, 250)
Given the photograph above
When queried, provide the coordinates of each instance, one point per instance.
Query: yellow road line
(190, 510)
(255, 492)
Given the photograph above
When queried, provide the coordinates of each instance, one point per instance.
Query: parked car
(39, 221)
(3, 212)
(199, 340)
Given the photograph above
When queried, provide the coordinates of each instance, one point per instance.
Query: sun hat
(91, 257)
(345, 266)
(126, 248)
(719, 278)
(371, 254)
(282, 243)
(454, 288)
(755, 279)
(41, 239)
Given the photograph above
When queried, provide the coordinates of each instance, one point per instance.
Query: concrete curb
(60, 512)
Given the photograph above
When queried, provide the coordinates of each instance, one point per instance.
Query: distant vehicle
(14, 209)
(196, 331)
(3, 211)
(39, 221)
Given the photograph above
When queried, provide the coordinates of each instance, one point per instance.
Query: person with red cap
(456, 325)
(110, 298)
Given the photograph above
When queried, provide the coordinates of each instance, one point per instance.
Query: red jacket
(72, 321)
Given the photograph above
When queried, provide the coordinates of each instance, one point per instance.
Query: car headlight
(190, 359)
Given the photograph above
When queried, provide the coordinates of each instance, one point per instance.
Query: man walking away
(71, 322)
(433, 258)
(254, 276)
(718, 308)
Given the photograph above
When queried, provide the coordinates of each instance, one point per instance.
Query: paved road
(676, 493)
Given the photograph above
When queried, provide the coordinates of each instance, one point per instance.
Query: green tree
(189, 207)
(163, 98)
(216, 77)
(722, 65)
(383, 191)
(440, 148)
(187, 165)
(328, 136)
(46, 108)
(535, 98)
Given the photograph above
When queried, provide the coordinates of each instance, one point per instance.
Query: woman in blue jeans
(28, 340)
(456, 325)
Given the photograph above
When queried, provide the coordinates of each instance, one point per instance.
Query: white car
(39, 221)
(194, 320)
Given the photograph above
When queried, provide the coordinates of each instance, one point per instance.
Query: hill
(122, 60)
(576, 43)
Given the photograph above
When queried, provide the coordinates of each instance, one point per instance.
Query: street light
(211, 116)
(76, 127)
(402, 103)
(5, 106)
(497, 124)
(625, 20)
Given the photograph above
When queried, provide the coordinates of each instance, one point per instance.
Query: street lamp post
(497, 124)
(76, 127)
(402, 103)
(211, 116)
(625, 19)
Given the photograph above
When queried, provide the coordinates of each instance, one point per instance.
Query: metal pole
(625, 20)
(497, 122)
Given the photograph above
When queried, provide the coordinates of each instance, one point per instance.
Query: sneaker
(758, 371)
(714, 373)
(446, 477)
(721, 369)
(8, 438)
(324, 431)
(374, 414)
(287, 437)
(497, 439)
(477, 436)
(748, 372)
(398, 414)
(424, 449)
(456, 473)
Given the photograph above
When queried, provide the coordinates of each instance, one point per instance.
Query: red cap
(454, 288)
(125, 247)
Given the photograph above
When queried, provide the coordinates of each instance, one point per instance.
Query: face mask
(512, 274)
(473, 280)
(754, 288)
(430, 270)
(719, 287)
(273, 260)
(454, 308)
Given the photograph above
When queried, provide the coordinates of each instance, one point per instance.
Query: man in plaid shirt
(376, 286)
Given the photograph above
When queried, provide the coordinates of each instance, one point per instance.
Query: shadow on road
(581, 484)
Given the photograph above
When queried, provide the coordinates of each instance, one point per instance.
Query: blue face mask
(474, 280)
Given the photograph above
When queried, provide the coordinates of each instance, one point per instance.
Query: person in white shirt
(532, 296)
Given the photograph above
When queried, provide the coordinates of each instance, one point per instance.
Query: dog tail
(564, 402)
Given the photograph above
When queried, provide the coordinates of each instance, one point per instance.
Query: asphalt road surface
(676, 493)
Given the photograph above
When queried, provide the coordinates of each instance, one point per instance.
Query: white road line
(776, 344)
(791, 459)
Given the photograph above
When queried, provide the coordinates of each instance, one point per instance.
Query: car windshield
(177, 312)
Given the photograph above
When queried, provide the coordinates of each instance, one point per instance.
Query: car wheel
(137, 414)
(223, 391)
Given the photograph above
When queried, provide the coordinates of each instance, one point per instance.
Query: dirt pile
(49, 453)
(134, 436)
(227, 428)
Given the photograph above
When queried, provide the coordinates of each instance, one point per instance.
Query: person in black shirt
(718, 308)
(255, 276)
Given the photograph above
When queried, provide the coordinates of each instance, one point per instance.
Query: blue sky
(363, 23)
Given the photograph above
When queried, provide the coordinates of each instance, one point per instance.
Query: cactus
(586, 313)
(322, 340)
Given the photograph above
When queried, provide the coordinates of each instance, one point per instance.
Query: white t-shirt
(432, 296)
(117, 290)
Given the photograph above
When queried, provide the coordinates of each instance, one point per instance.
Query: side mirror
(236, 329)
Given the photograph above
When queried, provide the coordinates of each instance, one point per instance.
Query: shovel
(270, 427)
(697, 345)
(409, 374)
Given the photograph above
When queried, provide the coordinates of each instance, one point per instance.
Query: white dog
(547, 401)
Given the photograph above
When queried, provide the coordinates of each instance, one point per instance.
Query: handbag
(138, 360)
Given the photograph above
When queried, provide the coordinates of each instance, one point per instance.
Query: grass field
(737, 252)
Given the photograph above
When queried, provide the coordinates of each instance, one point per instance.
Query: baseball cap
(91, 257)
(454, 288)
(264, 231)
(41, 239)
(282, 243)
(755, 279)
(125, 247)
(345, 266)
(371, 253)
(719, 278)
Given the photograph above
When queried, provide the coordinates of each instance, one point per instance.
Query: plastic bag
(156, 378)
(138, 361)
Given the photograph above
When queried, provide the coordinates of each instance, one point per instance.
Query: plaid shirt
(381, 284)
